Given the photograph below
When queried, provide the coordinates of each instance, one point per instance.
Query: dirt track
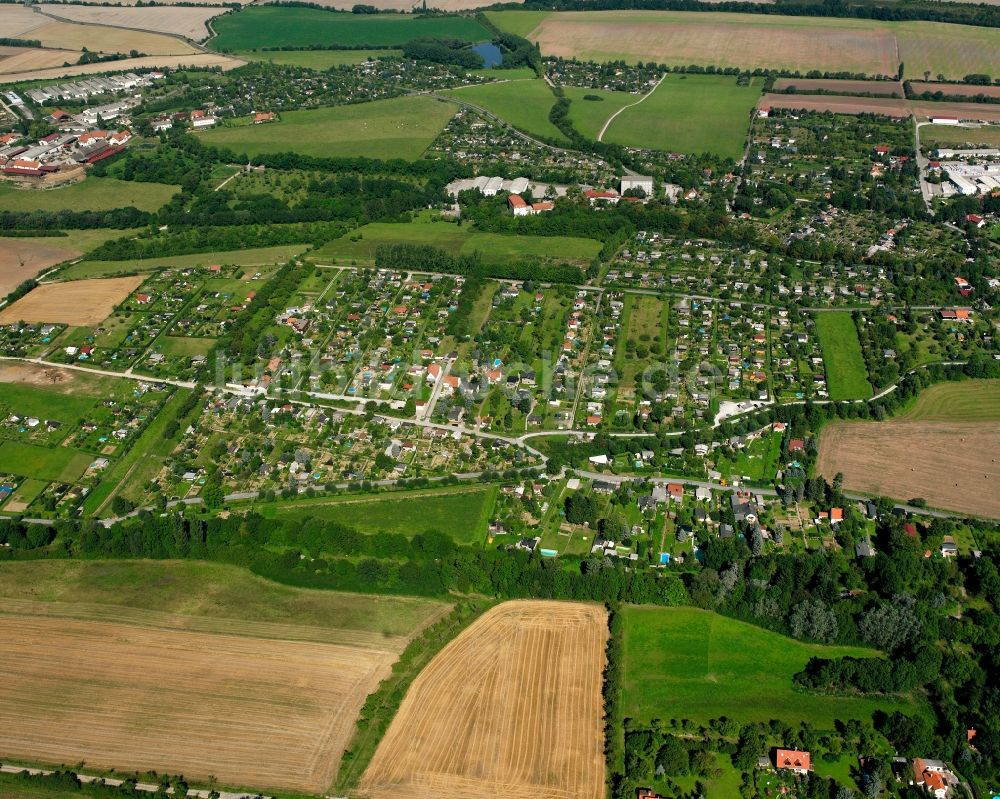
(511, 709)
(251, 712)
(78, 303)
(952, 466)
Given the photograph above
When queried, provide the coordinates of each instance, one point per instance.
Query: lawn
(965, 401)
(184, 346)
(689, 114)
(955, 136)
(589, 116)
(92, 194)
(275, 26)
(53, 464)
(25, 400)
(402, 127)
(694, 664)
(262, 256)
(200, 590)
(317, 59)
(360, 245)
(846, 374)
(525, 104)
(461, 513)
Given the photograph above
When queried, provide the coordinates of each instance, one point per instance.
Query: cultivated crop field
(846, 375)
(525, 104)
(955, 89)
(943, 448)
(694, 664)
(317, 59)
(21, 259)
(399, 128)
(104, 39)
(273, 26)
(79, 303)
(886, 106)
(180, 21)
(883, 88)
(193, 59)
(689, 114)
(748, 41)
(510, 709)
(94, 194)
(25, 59)
(190, 667)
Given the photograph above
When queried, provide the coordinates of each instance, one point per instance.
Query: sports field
(689, 114)
(589, 116)
(360, 244)
(92, 194)
(399, 128)
(275, 26)
(461, 513)
(525, 104)
(846, 374)
(679, 38)
(686, 663)
(79, 303)
(509, 709)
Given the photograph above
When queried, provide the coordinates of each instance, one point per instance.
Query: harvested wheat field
(21, 259)
(881, 88)
(78, 303)
(180, 21)
(727, 39)
(249, 711)
(955, 466)
(886, 106)
(125, 64)
(511, 709)
(26, 59)
(103, 39)
(17, 19)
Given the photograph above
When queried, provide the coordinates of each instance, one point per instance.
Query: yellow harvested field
(955, 466)
(180, 21)
(21, 259)
(272, 714)
(103, 39)
(726, 39)
(126, 64)
(78, 303)
(16, 19)
(25, 59)
(511, 709)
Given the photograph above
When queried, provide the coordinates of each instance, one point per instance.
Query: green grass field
(846, 375)
(184, 346)
(360, 245)
(206, 590)
(520, 22)
(689, 114)
(316, 59)
(461, 513)
(525, 104)
(28, 460)
(955, 136)
(399, 128)
(589, 116)
(262, 256)
(92, 194)
(274, 26)
(694, 664)
(965, 401)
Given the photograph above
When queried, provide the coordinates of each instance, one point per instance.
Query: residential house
(794, 760)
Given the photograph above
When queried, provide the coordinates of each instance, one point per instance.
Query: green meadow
(589, 116)
(846, 374)
(360, 245)
(317, 59)
(261, 256)
(965, 401)
(689, 114)
(92, 194)
(255, 27)
(43, 463)
(525, 104)
(686, 663)
(402, 127)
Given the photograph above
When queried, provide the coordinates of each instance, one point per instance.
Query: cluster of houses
(97, 86)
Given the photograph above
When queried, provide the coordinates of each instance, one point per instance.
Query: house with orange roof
(793, 760)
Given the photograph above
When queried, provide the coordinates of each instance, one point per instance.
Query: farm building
(642, 182)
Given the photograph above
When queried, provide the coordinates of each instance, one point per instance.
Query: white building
(643, 182)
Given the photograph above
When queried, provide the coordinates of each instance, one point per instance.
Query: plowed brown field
(511, 709)
(881, 88)
(952, 465)
(79, 302)
(24, 258)
(266, 713)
